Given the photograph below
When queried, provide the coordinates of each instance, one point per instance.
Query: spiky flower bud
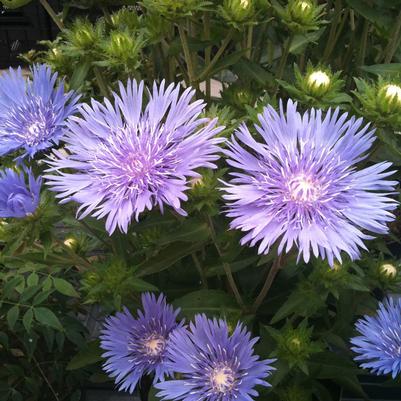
(380, 101)
(317, 87)
(237, 12)
(301, 16)
(388, 270)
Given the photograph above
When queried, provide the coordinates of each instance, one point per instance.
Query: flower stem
(46, 379)
(187, 53)
(226, 266)
(276, 266)
(284, 57)
(204, 74)
(201, 272)
(58, 21)
(101, 81)
(394, 40)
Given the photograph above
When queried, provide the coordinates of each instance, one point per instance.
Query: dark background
(21, 29)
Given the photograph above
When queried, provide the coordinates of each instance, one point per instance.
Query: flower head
(32, 112)
(393, 93)
(301, 186)
(126, 160)
(319, 79)
(214, 365)
(137, 346)
(17, 199)
(379, 344)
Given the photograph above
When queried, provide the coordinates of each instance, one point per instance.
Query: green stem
(200, 270)
(226, 266)
(187, 53)
(276, 266)
(333, 28)
(46, 379)
(204, 74)
(101, 81)
(58, 21)
(364, 41)
(394, 40)
(283, 59)
(249, 42)
(208, 52)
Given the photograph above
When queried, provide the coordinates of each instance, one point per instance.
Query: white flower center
(222, 379)
(244, 3)
(154, 345)
(393, 92)
(319, 78)
(303, 189)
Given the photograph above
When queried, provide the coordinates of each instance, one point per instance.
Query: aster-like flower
(126, 160)
(213, 365)
(33, 112)
(301, 186)
(17, 199)
(137, 346)
(379, 344)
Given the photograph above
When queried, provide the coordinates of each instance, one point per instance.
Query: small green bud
(237, 11)
(319, 82)
(388, 270)
(390, 97)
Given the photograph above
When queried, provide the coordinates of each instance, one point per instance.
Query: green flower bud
(388, 270)
(317, 87)
(318, 82)
(380, 101)
(301, 16)
(174, 8)
(83, 37)
(237, 12)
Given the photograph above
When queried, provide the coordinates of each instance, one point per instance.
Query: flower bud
(237, 11)
(70, 243)
(388, 270)
(318, 81)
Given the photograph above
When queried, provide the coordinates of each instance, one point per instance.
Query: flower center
(222, 379)
(154, 345)
(304, 5)
(302, 189)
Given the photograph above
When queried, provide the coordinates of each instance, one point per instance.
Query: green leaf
(383, 69)
(64, 287)
(167, 257)
(27, 319)
(299, 42)
(12, 316)
(47, 317)
(140, 285)
(87, 356)
(79, 75)
(211, 302)
(190, 231)
(41, 296)
(29, 293)
(33, 279)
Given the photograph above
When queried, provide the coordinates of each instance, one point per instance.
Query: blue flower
(32, 112)
(122, 159)
(213, 365)
(379, 344)
(16, 198)
(137, 346)
(300, 186)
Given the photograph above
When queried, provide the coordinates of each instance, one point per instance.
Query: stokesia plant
(217, 218)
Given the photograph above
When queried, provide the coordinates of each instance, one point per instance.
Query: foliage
(55, 270)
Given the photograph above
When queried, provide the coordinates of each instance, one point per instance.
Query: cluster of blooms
(211, 363)
(298, 187)
(33, 114)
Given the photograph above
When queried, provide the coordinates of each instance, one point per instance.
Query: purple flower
(379, 344)
(32, 112)
(213, 365)
(137, 346)
(16, 198)
(301, 186)
(126, 159)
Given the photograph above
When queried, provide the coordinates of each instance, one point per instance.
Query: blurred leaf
(64, 287)
(211, 302)
(87, 356)
(27, 319)
(383, 69)
(47, 317)
(12, 316)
